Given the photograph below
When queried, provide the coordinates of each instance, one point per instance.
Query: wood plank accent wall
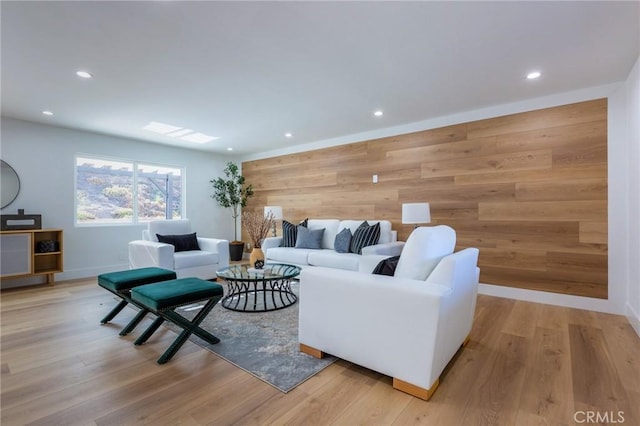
(529, 190)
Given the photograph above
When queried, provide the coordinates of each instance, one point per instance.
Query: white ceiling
(248, 72)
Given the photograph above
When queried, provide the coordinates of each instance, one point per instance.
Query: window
(126, 192)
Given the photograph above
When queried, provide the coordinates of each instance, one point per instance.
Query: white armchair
(212, 256)
(408, 326)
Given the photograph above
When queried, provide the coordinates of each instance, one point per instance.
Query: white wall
(47, 188)
(619, 165)
(43, 157)
(632, 88)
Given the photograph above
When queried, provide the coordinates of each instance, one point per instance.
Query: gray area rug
(265, 344)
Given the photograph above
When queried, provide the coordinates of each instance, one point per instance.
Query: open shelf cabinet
(31, 252)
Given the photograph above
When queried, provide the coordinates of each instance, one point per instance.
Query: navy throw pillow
(387, 266)
(184, 242)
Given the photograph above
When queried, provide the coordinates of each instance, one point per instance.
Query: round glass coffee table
(258, 290)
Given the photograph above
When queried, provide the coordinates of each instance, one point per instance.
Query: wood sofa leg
(311, 351)
(414, 390)
(466, 341)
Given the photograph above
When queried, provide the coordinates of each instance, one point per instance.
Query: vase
(256, 254)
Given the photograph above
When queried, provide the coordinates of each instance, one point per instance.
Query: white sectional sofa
(408, 326)
(327, 256)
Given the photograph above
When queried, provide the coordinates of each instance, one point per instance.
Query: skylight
(197, 138)
(184, 134)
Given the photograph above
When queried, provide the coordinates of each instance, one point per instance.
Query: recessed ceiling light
(84, 74)
(229, 149)
(288, 135)
(47, 112)
(378, 113)
(533, 75)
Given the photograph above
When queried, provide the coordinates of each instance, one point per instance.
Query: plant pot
(236, 249)
(256, 254)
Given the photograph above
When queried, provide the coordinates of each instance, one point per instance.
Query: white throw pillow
(423, 250)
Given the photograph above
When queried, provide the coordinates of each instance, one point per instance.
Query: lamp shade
(416, 213)
(276, 211)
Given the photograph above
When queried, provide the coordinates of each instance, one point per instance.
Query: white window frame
(135, 221)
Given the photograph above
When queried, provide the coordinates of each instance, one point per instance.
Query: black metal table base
(259, 296)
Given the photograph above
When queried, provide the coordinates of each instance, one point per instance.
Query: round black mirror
(10, 184)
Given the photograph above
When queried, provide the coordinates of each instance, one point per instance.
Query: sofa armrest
(144, 254)
(215, 245)
(270, 242)
(387, 249)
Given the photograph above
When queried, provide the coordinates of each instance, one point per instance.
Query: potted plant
(231, 192)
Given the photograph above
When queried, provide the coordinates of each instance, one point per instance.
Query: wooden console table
(31, 252)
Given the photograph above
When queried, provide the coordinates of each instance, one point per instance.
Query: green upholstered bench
(162, 298)
(120, 283)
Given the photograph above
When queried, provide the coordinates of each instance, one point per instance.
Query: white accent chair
(212, 256)
(407, 326)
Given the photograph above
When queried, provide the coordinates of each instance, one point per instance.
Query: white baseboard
(578, 302)
(75, 274)
(633, 317)
(62, 276)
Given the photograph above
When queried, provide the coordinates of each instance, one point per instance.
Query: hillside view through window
(125, 192)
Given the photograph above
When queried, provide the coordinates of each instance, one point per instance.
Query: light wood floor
(526, 364)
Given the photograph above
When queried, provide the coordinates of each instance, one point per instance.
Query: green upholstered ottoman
(120, 283)
(162, 298)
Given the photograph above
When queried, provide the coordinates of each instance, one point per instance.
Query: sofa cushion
(184, 242)
(290, 232)
(289, 255)
(423, 250)
(309, 238)
(365, 235)
(331, 259)
(342, 242)
(189, 259)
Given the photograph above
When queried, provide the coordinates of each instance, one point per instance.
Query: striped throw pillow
(290, 232)
(365, 235)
